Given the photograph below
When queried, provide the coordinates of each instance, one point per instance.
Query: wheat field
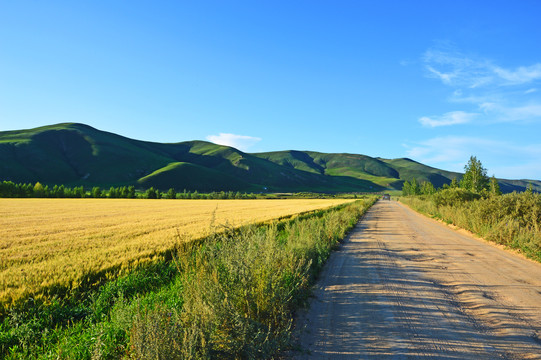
(51, 243)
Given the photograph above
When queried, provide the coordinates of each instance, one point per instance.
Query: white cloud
(241, 142)
(502, 158)
(457, 69)
(497, 94)
(522, 75)
(505, 113)
(449, 148)
(445, 78)
(450, 118)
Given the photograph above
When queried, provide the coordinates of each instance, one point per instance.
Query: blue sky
(436, 81)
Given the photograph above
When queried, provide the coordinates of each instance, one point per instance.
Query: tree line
(475, 180)
(9, 189)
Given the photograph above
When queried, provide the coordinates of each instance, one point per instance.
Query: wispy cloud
(241, 142)
(450, 118)
(521, 75)
(494, 92)
(516, 113)
(457, 69)
(503, 158)
(449, 148)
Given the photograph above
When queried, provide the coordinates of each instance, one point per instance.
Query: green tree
(113, 192)
(494, 187)
(171, 194)
(131, 192)
(454, 183)
(151, 194)
(39, 191)
(406, 188)
(96, 192)
(427, 188)
(415, 189)
(79, 192)
(475, 178)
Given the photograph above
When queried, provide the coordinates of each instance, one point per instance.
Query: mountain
(77, 154)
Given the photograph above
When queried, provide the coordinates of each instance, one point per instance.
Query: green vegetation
(9, 189)
(477, 205)
(512, 219)
(79, 155)
(231, 295)
(374, 171)
(191, 176)
(475, 177)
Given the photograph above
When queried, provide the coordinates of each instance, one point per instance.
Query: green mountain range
(76, 154)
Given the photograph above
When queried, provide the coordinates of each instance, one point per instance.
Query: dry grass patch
(50, 244)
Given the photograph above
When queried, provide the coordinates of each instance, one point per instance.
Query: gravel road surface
(403, 286)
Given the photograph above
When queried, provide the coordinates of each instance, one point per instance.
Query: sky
(434, 81)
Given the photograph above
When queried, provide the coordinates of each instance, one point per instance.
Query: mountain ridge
(78, 154)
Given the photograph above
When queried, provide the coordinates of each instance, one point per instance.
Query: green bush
(453, 196)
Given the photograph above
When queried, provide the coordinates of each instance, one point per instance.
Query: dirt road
(403, 286)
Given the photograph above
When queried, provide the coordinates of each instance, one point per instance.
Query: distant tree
(151, 194)
(96, 192)
(454, 183)
(113, 193)
(427, 188)
(131, 192)
(529, 188)
(79, 192)
(494, 187)
(171, 194)
(475, 178)
(7, 189)
(411, 188)
(39, 190)
(123, 192)
(406, 188)
(415, 189)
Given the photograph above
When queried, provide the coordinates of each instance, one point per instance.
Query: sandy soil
(403, 286)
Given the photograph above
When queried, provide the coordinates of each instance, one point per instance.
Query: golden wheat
(54, 242)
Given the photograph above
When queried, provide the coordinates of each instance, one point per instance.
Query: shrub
(453, 196)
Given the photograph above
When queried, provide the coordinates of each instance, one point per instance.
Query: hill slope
(77, 154)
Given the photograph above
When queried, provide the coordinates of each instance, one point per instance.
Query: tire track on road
(403, 286)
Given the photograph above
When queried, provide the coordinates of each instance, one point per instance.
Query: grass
(54, 246)
(182, 175)
(513, 220)
(230, 296)
(76, 154)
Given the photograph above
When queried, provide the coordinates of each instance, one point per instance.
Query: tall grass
(512, 219)
(230, 296)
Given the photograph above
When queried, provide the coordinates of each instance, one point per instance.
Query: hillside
(77, 154)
